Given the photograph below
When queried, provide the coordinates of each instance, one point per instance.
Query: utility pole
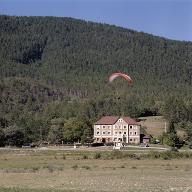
(165, 127)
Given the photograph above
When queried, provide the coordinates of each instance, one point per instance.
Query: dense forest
(54, 78)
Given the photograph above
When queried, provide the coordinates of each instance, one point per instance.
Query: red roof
(107, 120)
(130, 121)
(111, 120)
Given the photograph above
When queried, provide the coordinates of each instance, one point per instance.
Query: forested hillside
(54, 71)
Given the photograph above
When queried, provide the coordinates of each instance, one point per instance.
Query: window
(115, 133)
(125, 127)
(98, 132)
(125, 133)
(130, 126)
(135, 133)
(119, 127)
(98, 128)
(130, 139)
(97, 139)
(109, 127)
(103, 133)
(109, 132)
(130, 133)
(103, 127)
(120, 132)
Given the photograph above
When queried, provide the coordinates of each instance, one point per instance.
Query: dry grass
(40, 171)
(155, 125)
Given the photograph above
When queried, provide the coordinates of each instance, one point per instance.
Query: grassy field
(155, 125)
(62, 171)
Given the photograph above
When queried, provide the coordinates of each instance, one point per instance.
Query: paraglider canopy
(125, 76)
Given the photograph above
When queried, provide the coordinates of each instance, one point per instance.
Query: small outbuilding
(146, 139)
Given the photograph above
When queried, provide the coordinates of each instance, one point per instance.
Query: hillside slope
(77, 57)
(54, 77)
(74, 54)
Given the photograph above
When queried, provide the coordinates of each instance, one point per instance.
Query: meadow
(29, 170)
(155, 125)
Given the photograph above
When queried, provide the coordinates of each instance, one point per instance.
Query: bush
(117, 154)
(85, 156)
(75, 167)
(86, 167)
(2, 138)
(97, 144)
(190, 145)
(97, 155)
(166, 155)
(154, 154)
(63, 157)
(174, 149)
(50, 168)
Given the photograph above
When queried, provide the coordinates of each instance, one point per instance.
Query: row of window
(130, 140)
(104, 133)
(135, 139)
(120, 139)
(109, 127)
(130, 133)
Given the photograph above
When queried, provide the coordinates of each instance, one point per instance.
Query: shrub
(117, 154)
(85, 156)
(35, 169)
(154, 154)
(50, 168)
(97, 144)
(75, 167)
(97, 155)
(86, 167)
(166, 155)
(174, 149)
(63, 157)
(190, 145)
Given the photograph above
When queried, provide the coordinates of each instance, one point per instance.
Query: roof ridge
(111, 120)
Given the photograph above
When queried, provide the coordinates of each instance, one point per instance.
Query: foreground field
(62, 171)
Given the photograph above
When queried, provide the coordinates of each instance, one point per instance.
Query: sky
(166, 18)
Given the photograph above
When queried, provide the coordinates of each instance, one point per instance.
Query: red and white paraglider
(125, 76)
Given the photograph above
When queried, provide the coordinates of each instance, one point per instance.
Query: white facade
(120, 131)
